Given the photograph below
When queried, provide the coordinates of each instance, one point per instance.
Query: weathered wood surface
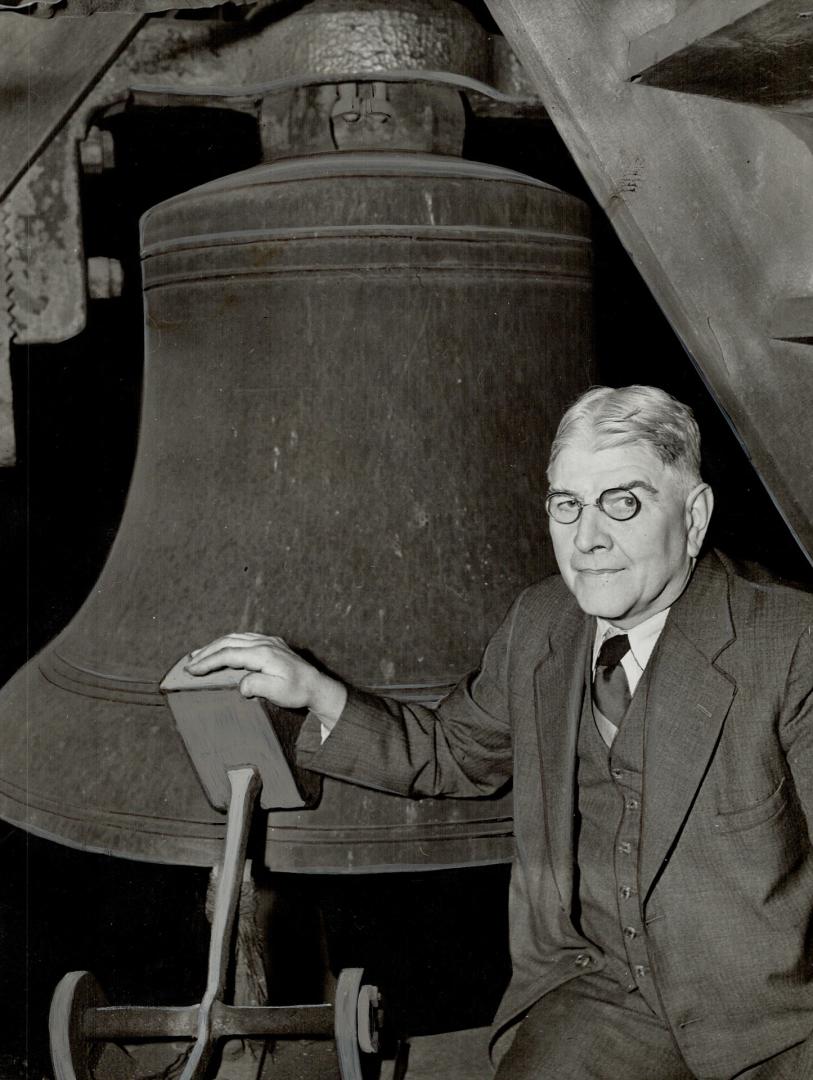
(792, 319)
(714, 202)
(758, 51)
(46, 69)
(222, 730)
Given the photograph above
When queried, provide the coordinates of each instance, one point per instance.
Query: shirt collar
(642, 638)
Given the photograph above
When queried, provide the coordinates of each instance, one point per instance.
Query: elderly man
(654, 711)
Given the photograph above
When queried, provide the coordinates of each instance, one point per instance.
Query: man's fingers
(253, 658)
(244, 640)
(220, 643)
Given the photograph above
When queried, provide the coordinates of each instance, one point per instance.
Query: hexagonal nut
(105, 278)
(96, 152)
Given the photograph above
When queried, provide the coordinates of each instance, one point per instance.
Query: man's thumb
(258, 685)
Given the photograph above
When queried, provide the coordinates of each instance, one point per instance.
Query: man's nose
(591, 530)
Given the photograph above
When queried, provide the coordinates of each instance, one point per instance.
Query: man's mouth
(599, 571)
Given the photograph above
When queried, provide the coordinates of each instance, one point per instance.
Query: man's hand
(277, 674)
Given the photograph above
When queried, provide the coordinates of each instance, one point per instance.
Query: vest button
(625, 847)
(630, 932)
(640, 971)
(583, 960)
(626, 891)
(616, 773)
(632, 804)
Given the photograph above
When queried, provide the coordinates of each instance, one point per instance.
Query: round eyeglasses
(620, 504)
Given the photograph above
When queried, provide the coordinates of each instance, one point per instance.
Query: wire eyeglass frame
(574, 511)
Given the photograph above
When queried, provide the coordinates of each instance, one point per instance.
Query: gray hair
(634, 414)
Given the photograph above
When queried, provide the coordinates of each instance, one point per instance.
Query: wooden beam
(792, 320)
(46, 68)
(714, 203)
(756, 51)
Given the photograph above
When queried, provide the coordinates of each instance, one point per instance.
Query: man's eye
(621, 504)
(562, 502)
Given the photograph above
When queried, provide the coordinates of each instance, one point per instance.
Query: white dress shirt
(642, 638)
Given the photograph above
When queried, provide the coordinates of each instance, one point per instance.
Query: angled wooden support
(792, 319)
(755, 51)
(244, 784)
(713, 200)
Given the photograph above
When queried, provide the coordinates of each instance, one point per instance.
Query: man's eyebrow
(630, 486)
(636, 484)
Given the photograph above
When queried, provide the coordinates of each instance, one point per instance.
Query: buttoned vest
(609, 784)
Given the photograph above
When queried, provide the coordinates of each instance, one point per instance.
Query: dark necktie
(611, 692)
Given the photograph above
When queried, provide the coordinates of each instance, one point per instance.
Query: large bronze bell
(354, 365)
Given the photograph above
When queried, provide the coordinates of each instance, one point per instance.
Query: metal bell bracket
(367, 101)
(81, 1021)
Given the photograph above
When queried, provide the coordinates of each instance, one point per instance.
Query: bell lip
(289, 846)
(313, 840)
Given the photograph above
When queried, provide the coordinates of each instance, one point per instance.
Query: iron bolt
(96, 152)
(105, 278)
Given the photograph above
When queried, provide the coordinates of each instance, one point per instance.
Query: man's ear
(699, 507)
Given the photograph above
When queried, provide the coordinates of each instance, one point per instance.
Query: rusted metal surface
(481, 99)
(105, 277)
(47, 68)
(97, 152)
(45, 73)
(354, 366)
(203, 63)
(321, 39)
(316, 39)
(48, 275)
(332, 36)
(423, 116)
(45, 250)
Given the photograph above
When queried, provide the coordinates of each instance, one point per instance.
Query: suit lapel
(559, 682)
(687, 701)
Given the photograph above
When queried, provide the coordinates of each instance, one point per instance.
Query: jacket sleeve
(797, 734)
(797, 726)
(460, 748)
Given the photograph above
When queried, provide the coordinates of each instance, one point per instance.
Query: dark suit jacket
(726, 866)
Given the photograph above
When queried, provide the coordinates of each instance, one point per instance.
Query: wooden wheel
(73, 1054)
(356, 1022)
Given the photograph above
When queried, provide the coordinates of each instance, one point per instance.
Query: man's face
(623, 571)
